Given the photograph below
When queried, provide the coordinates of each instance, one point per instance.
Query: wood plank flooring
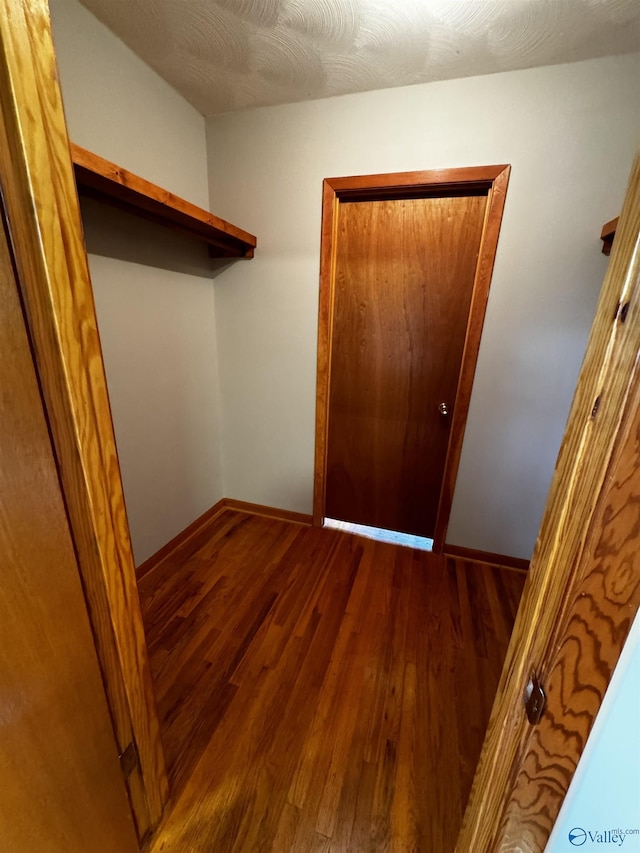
(320, 691)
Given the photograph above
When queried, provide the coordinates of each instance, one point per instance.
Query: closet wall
(153, 289)
(570, 133)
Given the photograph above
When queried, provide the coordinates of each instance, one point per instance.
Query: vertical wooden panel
(403, 284)
(584, 646)
(46, 232)
(60, 782)
(582, 591)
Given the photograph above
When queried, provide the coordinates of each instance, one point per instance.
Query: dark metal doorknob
(443, 409)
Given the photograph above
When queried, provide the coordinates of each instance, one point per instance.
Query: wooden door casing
(45, 227)
(403, 284)
(61, 787)
(582, 592)
(491, 181)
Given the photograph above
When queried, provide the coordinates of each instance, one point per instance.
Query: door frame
(490, 179)
(583, 588)
(45, 228)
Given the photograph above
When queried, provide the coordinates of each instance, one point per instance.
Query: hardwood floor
(320, 691)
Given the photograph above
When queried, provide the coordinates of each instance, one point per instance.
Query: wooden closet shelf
(101, 179)
(607, 235)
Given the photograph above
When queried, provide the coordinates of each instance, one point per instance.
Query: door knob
(443, 409)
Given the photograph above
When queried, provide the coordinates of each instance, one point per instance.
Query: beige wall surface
(569, 132)
(120, 108)
(153, 289)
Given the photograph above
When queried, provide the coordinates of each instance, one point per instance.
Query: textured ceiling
(231, 54)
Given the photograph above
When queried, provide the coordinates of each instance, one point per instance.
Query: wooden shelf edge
(607, 235)
(102, 179)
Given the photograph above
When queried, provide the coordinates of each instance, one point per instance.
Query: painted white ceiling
(231, 54)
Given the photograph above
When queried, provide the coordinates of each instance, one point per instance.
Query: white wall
(569, 132)
(604, 795)
(153, 289)
(118, 107)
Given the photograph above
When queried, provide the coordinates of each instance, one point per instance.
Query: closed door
(404, 280)
(61, 787)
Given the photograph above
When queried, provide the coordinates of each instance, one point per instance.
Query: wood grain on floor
(319, 691)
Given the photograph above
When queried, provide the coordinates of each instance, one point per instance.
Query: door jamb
(45, 227)
(490, 179)
(582, 592)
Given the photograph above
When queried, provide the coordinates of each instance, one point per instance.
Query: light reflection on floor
(420, 543)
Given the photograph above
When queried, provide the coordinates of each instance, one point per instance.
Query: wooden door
(404, 279)
(61, 788)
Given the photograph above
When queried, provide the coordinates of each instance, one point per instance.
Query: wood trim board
(482, 283)
(467, 178)
(607, 235)
(268, 511)
(492, 180)
(583, 589)
(44, 223)
(492, 559)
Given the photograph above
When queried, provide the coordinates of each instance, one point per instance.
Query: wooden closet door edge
(602, 409)
(46, 231)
